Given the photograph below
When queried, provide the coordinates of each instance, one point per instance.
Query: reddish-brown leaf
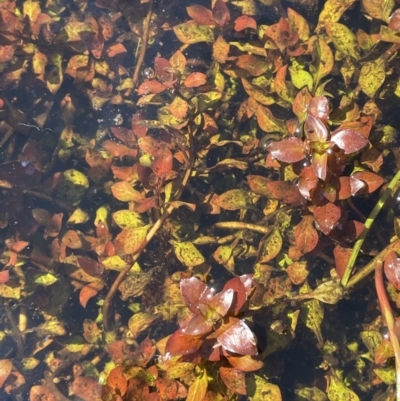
(383, 352)
(162, 163)
(193, 290)
(5, 370)
(195, 79)
(222, 301)
(327, 217)
(372, 181)
(152, 86)
(149, 145)
(253, 64)
(124, 192)
(41, 393)
(319, 108)
(349, 140)
(117, 380)
(118, 149)
(245, 363)
(300, 104)
(392, 269)
(198, 325)
(244, 22)
(162, 68)
(306, 236)
(221, 13)
(315, 129)
(180, 343)
(307, 181)
(241, 286)
(234, 379)
(239, 339)
(201, 15)
(86, 387)
(288, 150)
(89, 291)
(342, 256)
(90, 266)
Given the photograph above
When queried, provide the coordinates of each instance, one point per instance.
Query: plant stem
(388, 317)
(368, 223)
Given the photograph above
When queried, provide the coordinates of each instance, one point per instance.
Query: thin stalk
(388, 317)
(368, 223)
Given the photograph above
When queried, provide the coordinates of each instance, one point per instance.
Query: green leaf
(258, 389)
(338, 391)
(127, 219)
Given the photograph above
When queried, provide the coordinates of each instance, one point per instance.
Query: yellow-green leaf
(343, 39)
(270, 246)
(45, 279)
(78, 216)
(372, 76)
(198, 388)
(338, 391)
(187, 253)
(323, 61)
(300, 77)
(379, 9)
(233, 199)
(114, 263)
(127, 219)
(258, 389)
(332, 11)
(9, 292)
(191, 32)
(31, 9)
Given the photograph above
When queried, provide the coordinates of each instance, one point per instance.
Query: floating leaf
(244, 22)
(201, 15)
(327, 217)
(371, 180)
(392, 269)
(124, 192)
(195, 79)
(288, 150)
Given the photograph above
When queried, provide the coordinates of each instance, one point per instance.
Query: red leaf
(315, 129)
(319, 108)
(4, 276)
(195, 79)
(87, 388)
(327, 217)
(117, 380)
(307, 181)
(241, 294)
(222, 301)
(201, 15)
(288, 150)
(238, 339)
(373, 181)
(90, 266)
(192, 290)
(162, 68)
(342, 256)
(306, 235)
(392, 269)
(221, 13)
(394, 22)
(151, 87)
(180, 343)
(198, 326)
(162, 163)
(349, 140)
(245, 363)
(234, 379)
(243, 22)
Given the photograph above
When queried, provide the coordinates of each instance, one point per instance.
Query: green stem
(370, 220)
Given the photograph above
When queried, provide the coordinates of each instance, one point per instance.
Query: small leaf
(270, 246)
(371, 180)
(244, 22)
(124, 192)
(195, 79)
(152, 86)
(201, 15)
(191, 32)
(327, 217)
(306, 235)
(187, 253)
(127, 219)
(338, 390)
(233, 199)
(234, 379)
(180, 343)
(392, 269)
(221, 49)
(372, 76)
(221, 13)
(349, 140)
